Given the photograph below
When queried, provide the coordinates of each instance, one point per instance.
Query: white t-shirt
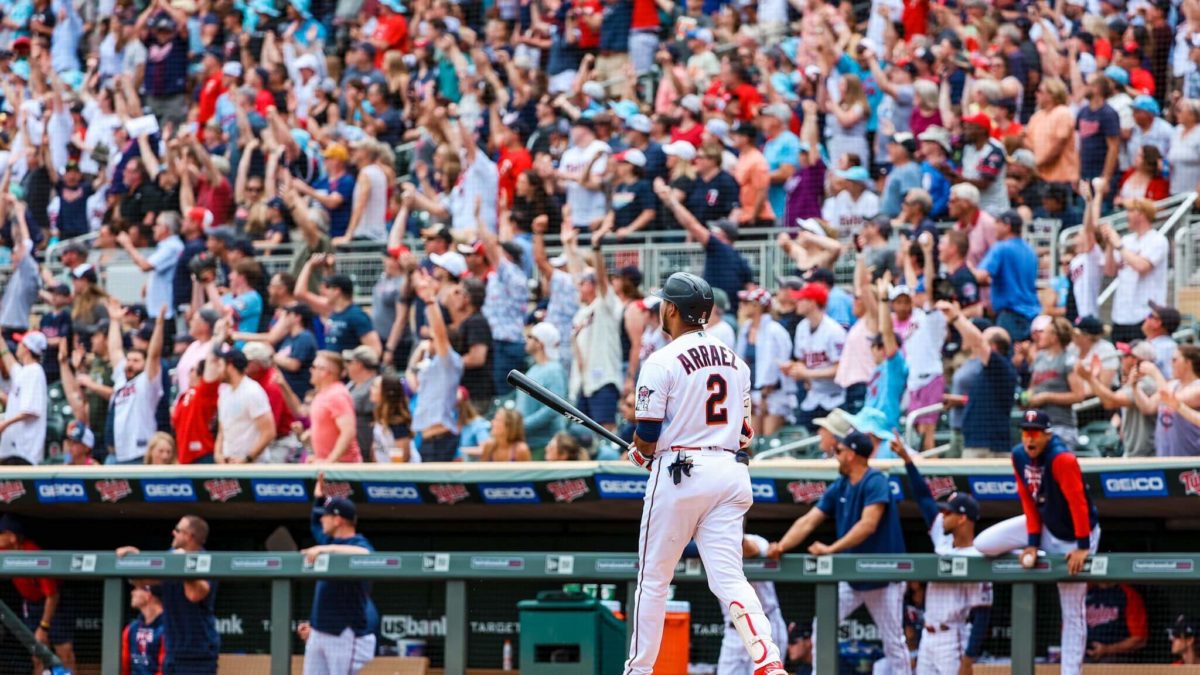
(373, 224)
(1110, 358)
(480, 179)
(1086, 271)
(699, 389)
(586, 205)
(236, 411)
(1131, 302)
(846, 215)
(821, 348)
(923, 348)
(26, 439)
(134, 403)
(597, 345)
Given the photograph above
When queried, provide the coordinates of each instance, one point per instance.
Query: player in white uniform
(733, 659)
(818, 348)
(693, 409)
(948, 606)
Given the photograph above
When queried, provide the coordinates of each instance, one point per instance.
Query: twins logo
(222, 489)
(1190, 480)
(806, 491)
(449, 493)
(113, 491)
(567, 491)
(1098, 615)
(1033, 478)
(940, 486)
(11, 491)
(643, 399)
(339, 489)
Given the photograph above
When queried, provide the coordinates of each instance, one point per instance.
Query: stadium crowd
(917, 139)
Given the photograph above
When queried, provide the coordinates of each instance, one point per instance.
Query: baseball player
(861, 504)
(692, 407)
(733, 659)
(142, 644)
(338, 639)
(946, 638)
(1059, 517)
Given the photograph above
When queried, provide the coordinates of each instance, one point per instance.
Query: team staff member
(860, 502)
(1117, 626)
(339, 640)
(1058, 516)
(949, 607)
(189, 625)
(699, 479)
(41, 598)
(142, 646)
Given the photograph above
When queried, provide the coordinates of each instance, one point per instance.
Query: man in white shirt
(596, 368)
(478, 182)
(246, 425)
(853, 205)
(581, 170)
(136, 388)
(1160, 325)
(1139, 262)
(818, 348)
(23, 430)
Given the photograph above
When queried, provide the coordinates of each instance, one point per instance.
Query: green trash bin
(570, 634)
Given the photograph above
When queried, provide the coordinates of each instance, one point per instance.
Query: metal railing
(456, 569)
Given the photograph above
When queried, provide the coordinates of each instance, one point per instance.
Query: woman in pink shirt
(332, 413)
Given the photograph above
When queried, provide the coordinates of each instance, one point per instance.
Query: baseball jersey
(142, 647)
(818, 348)
(134, 403)
(699, 389)
(952, 603)
(1115, 612)
(1053, 494)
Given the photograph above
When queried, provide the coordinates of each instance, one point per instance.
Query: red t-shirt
(193, 418)
(749, 101)
(262, 101)
(915, 18)
(645, 15)
(1142, 80)
(393, 31)
(216, 198)
(695, 135)
(212, 90)
(513, 163)
(34, 589)
(330, 403)
(279, 409)
(588, 38)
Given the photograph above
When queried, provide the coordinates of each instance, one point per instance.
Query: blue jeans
(508, 356)
(1016, 325)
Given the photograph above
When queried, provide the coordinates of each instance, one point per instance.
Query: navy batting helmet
(691, 295)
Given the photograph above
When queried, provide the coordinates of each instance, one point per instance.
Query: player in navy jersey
(1116, 621)
(142, 646)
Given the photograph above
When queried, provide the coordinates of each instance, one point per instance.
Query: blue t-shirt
(1013, 267)
(339, 218)
(142, 649)
(841, 307)
(302, 346)
(340, 604)
(886, 388)
(656, 162)
(190, 628)
(871, 88)
(844, 502)
(783, 149)
(714, 199)
(248, 308)
(346, 329)
(898, 183)
(985, 422)
(1095, 127)
(629, 200)
(614, 26)
(726, 269)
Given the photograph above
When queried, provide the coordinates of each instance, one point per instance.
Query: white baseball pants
(886, 606)
(342, 654)
(708, 506)
(940, 653)
(1011, 535)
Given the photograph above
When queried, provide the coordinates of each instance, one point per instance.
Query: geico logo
(391, 492)
(61, 490)
(623, 486)
(996, 487)
(279, 490)
(509, 493)
(168, 490)
(1134, 484)
(763, 490)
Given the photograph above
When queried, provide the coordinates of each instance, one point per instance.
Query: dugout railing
(283, 571)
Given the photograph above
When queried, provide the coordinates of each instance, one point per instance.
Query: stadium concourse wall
(1160, 488)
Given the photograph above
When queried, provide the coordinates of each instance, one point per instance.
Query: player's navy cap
(9, 523)
(338, 506)
(1035, 419)
(961, 502)
(858, 442)
(1182, 628)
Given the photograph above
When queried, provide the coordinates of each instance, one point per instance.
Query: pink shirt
(857, 363)
(981, 235)
(329, 404)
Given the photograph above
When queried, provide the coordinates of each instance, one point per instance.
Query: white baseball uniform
(699, 390)
(821, 347)
(947, 607)
(326, 654)
(733, 659)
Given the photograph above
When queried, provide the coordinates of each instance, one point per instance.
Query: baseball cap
(961, 502)
(225, 233)
(336, 151)
(905, 140)
(746, 129)
(34, 341)
(362, 354)
(818, 293)
(473, 248)
(1182, 627)
(760, 296)
(550, 337)
(342, 282)
(337, 506)
(1035, 420)
(1089, 325)
(856, 173)
(702, 34)
(630, 272)
(210, 316)
(1117, 74)
(936, 134)
(632, 156)
(858, 443)
(258, 352)
(9, 523)
(639, 123)
(1147, 104)
(451, 261)
(980, 120)
(720, 299)
(232, 69)
(593, 89)
(681, 149)
(1040, 323)
(899, 290)
(719, 128)
(837, 422)
(623, 109)
(820, 275)
(80, 433)
(60, 289)
(779, 111)
(307, 61)
(790, 282)
(438, 231)
(872, 421)
(233, 356)
(85, 271)
(690, 102)
(1169, 316)
(724, 226)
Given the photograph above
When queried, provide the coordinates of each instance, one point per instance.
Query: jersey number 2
(715, 411)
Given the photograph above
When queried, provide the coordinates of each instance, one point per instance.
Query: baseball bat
(559, 405)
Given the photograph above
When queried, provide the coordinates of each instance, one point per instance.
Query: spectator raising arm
(695, 229)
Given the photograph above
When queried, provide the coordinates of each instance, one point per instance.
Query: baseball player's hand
(637, 459)
(1075, 561)
(303, 631)
(310, 554)
(819, 548)
(897, 447)
(42, 635)
(319, 489)
(775, 550)
(1095, 651)
(1029, 557)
